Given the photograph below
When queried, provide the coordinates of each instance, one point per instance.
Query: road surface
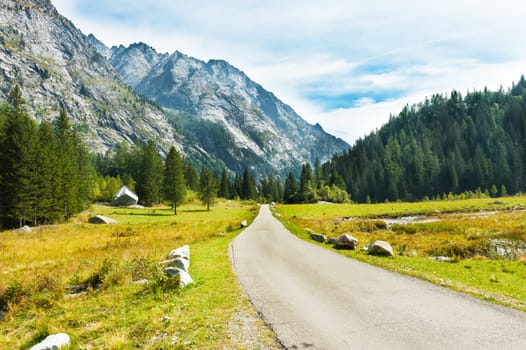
(316, 299)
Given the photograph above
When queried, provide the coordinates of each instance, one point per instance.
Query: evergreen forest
(444, 146)
(48, 174)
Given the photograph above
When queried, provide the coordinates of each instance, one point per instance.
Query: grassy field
(467, 232)
(115, 312)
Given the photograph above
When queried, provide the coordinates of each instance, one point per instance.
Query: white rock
(346, 241)
(185, 278)
(53, 342)
(99, 219)
(380, 248)
(441, 258)
(181, 252)
(244, 223)
(24, 229)
(180, 263)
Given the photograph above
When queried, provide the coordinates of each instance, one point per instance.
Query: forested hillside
(446, 144)
(47, 173)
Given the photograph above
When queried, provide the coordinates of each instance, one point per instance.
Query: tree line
(45, 173)
(448, 144)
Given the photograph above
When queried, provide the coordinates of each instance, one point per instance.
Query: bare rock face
(57, 67)
(233, 117)
(212, 112)
(380, 248)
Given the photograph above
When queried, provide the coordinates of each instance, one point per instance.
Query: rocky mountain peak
(212, 112)
(57, 67)
(227, 113)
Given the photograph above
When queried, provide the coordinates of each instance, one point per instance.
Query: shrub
(145, 267)
(13, 294)
(410, 229)
(462, 250)
(110, 273)
(46, 290)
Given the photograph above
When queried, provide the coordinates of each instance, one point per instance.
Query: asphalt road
(316, 299)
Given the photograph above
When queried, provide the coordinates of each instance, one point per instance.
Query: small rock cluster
(346, 241)
(507, 249)
(177, 263)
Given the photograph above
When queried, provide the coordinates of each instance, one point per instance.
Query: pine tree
(290, 189)
(237, 186)
(207, 188)
(149, 183)
(48, 207)
(248, 186)
(306, 192)
(18, 171)
(224, 187)
(174, 183)
(86, 175)
(191, 177)
(67, 165)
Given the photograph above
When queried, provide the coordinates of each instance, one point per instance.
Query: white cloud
(385, 53)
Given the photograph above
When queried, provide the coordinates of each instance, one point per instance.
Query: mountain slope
(57, 67)
(228, 114)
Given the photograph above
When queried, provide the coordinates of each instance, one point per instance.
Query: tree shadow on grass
(193, 211)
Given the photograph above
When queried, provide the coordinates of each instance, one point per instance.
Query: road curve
(316, 299)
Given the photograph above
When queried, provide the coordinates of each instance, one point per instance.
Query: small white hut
(125, 197)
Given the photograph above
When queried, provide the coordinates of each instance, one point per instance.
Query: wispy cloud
(346, 65)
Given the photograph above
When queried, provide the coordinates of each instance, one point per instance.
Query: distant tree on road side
(174, 183)
(207, 188)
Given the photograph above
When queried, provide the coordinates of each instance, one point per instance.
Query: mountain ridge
(210, 111)
(57, 68)
(262, 128)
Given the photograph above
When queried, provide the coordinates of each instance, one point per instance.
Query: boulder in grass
(244, 223)
(104, 220)
(184, 276)
(381, 248)
(346, 241)
(23, 229)
(318, 237)
(180, 263)
(181, 252)
(333, 240)
(53, 342)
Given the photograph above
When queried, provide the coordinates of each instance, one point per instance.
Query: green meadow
(114, 311)
(464, 232)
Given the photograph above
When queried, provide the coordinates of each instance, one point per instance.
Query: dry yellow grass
(35, 267)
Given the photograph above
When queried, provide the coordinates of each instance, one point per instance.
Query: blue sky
(347, 65)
